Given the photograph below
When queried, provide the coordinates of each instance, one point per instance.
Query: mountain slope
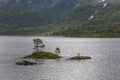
(81, 18)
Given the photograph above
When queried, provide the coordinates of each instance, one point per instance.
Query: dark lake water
(104, 65)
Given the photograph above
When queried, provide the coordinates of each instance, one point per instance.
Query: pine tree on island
(38, 45)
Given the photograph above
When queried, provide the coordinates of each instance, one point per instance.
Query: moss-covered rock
(43, 55)
(25, 63)
(80, 57)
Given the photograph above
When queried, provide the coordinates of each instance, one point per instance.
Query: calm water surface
(104, 65)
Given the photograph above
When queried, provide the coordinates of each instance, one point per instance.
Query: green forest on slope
(75, 18)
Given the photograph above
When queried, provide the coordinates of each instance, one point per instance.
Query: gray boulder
(25, 63)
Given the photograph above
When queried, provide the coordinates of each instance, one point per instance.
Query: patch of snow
(104, 5)
(103, 0)
(96, 12)
(91, 17)
(100, 1)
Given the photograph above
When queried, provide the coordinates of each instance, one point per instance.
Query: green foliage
(43, 55)
(60, 17)
(105, 24)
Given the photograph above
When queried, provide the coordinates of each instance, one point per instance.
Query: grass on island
(80, 57)
(43, 55)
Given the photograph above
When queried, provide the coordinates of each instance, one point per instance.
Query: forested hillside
(76, 18)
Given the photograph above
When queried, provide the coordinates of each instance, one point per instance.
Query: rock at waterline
(25, 63)
(80, 57)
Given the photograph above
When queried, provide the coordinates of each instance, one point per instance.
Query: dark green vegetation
(80, 57)
(43, 55)
(25, 63)
(60, 17)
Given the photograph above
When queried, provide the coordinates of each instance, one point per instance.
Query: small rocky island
(39, 53)
(78, 57)
(43, 55)
(25, 63)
